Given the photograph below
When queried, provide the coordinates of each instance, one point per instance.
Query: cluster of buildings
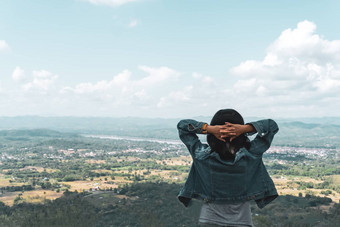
(308, 152)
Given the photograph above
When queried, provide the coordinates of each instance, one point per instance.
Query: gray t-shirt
(226, 214)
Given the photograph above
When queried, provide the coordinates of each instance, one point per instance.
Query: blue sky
(155, 58)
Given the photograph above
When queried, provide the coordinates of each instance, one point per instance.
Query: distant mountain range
(35, 133)
(316, 132)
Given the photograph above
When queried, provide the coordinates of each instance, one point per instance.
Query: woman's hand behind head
(216, 131)
(234, 130)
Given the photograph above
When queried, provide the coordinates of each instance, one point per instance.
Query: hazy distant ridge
(301, 132)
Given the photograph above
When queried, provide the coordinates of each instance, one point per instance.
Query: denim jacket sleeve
(187, 130)
(266, 129)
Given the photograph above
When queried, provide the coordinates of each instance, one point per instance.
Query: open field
(316, 192)
(336, 179)
(95, 161)
(89, 185)
(38, 169)
(6, 181)
(36, 196)
(285, 185)
(176, 161)
(288, 186)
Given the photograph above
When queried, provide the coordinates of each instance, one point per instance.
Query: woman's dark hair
(227, 150)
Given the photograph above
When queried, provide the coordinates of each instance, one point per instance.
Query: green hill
(152, 204)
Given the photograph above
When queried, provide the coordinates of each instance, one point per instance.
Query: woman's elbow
(181, 124)
(273, 126)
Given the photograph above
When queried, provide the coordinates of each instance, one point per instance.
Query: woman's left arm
(187, 130)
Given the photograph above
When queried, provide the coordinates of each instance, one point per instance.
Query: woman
(227, 172)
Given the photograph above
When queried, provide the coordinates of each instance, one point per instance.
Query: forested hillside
(150, 204)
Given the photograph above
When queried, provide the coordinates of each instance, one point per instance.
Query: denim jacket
(213, 179)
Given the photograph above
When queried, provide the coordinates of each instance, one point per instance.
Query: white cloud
(196, 75)
(112, 3)
(124, 83)
(176, 97)
(198, 95)
(19, 75)
(117, 82)
(32, 93)
(303, 42)
(153, 91)
(300, 68)
(124, 90)
(157, 75)
(133, 23)
(42, 81)
(4, 47)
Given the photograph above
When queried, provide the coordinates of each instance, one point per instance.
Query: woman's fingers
(228, 124)
(227, 135)
(228, 132)
(231, 134)
(222, 139)
(230, 129)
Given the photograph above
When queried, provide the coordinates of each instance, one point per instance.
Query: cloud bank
(299, 76)
(300, 72)
(41, 80)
